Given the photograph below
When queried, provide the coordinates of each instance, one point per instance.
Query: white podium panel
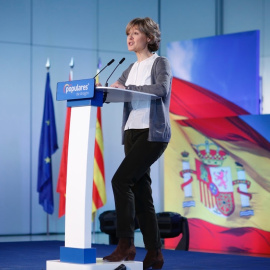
(80, 177)
(99, 265)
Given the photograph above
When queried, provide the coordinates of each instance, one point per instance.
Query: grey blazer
(161, 78)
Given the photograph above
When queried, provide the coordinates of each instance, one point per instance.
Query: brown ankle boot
(154, 259)
(125, 251)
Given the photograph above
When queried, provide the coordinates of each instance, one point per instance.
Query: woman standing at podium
(145, 135)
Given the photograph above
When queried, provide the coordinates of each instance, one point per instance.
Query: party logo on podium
(79, 89)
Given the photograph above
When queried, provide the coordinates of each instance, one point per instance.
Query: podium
(84, 98)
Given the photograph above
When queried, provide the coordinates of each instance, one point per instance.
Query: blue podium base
(78, 255)
(99, 265)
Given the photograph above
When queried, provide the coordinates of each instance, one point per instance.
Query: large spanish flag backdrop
(217, 170)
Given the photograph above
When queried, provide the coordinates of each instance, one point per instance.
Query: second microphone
(120, 62)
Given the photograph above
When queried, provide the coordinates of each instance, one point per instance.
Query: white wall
(32, 30)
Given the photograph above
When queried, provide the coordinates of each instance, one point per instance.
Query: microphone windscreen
(122, 60)
(110, 62)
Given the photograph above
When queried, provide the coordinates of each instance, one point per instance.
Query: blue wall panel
(15, 174)
(65, 23)
(15, 21)
(183, 19)
(115, 15)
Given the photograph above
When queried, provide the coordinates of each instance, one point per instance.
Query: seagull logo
(65, 87)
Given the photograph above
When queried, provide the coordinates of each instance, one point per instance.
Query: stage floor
(32, 255)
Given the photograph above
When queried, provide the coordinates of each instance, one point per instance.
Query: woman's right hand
(118, 85)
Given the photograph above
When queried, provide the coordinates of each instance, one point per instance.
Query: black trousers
(132, 187)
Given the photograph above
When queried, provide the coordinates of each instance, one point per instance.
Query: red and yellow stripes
(99, 188)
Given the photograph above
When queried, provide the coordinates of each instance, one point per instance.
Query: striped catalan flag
(99, 188)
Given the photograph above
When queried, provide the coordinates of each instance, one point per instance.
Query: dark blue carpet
(33, 256)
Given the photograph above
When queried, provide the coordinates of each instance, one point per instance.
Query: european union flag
(47, 146)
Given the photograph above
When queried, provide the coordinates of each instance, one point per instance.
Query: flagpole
(94, 228)
(48, 65)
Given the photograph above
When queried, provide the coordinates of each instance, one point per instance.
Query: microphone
(105, 67)
(120, 62)
(121, 267)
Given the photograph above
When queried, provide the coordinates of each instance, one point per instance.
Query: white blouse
(140, 74)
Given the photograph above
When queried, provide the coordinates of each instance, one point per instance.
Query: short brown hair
(149, 28)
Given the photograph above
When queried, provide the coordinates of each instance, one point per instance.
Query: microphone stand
(120, 62)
